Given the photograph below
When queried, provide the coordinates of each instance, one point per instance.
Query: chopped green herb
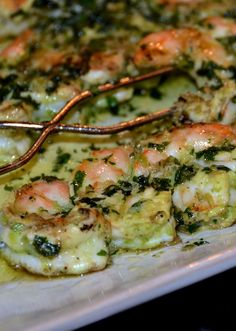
(156, 94)
(78, 180)
(64, 213)
(111, 190)
(47, 179)
(140, 91)
(178, 216)
(188, 212)
(44, 247)
(8, 188)
(113, 105)
(124, 187)
(158, 147)
(61, 160)
(42, 150)
(102, 252)
(142, 182)
(190, 245)
(106, 210)
(186, 62)
(221, 167)
(92, 202)
(207, 170)
(53, 84)
(184, 173)
(210, 153)
(92, 147)
(193, 227)
(107, 159)
(161, 184)
(200, 242)
(114, 252)
(34, 179)
(136, 207)
(209, 70)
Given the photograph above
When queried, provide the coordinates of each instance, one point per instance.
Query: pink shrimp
(166, 47)
(11, 6)
(106, 166)
(43, 197)
(104, 66)
(18, 47)
(180, 143)
(221, 27)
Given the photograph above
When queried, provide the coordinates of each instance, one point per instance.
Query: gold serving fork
(54, 125)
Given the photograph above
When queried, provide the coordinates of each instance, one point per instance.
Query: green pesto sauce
(78, 148)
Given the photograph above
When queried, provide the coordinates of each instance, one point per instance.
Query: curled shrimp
(184, 144)
(18, 47)
(104, 67)
(206, 200)
(168, 46)
(221, 27)
(45, 197)
(11, 6)
(44, 235)
(106, 166)
(210, 105)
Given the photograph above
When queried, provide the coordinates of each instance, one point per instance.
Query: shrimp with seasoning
(43, 233)
(167, 47)
(220, 27)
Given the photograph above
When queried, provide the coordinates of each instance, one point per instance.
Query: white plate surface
(65, 304)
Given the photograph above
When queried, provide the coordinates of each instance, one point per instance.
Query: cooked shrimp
(203, 192)
(43, 235)
(184, 144)
(166, 47)
(45, 197)
(13, 143)
(11, 6)
(119, 156)
(18, 47)
(104, 67)
(159, 48)
(74, 244)
(199, 137)
(106, 166)
(47, 59)
(206, 200)
(10, 109)
(210, 105)
(221, 27)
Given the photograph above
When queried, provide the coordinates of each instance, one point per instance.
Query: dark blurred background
(209, 305)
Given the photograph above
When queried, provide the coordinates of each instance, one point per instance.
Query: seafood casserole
(83, 199)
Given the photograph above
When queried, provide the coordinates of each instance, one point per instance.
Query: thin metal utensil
(54, 125)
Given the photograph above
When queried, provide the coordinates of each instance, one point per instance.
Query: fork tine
(53, 125)
(47, 130)
(93, 130)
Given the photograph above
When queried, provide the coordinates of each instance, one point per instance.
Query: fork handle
(86, 129)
